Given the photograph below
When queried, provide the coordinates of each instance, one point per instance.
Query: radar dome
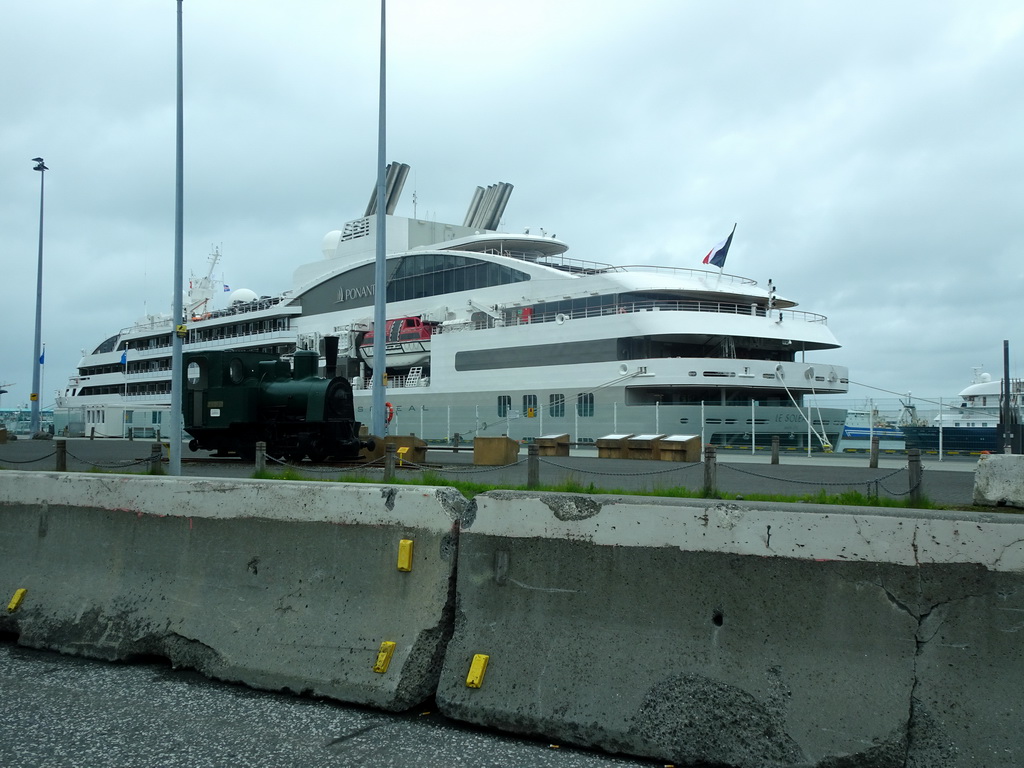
(985, 378)
(242, 296)
(330, 244)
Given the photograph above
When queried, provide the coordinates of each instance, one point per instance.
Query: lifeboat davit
(407, 343)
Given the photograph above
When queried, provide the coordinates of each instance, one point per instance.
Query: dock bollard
(775, 449)
(156, 455)
(873, 461)
(710, 470)
(532, 466)
(914, 469)
(261, 456)
(389, 462)
(62, 455)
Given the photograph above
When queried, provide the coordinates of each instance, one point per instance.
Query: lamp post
(34, 422)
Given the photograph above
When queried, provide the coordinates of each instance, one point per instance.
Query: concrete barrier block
(999, 480)
(769, 635)
(277, 585)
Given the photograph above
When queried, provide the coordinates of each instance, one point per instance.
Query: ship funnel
(488, 206)
(394, 180)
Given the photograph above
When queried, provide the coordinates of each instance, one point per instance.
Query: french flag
(717, 254)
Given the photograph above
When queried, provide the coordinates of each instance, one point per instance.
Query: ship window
(530, 406)
(433, 274)
(556, 406)
(585, 404)
(157, 415)
(128, 417)
(504, 405)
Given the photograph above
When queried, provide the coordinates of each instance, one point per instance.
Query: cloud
(868, 152)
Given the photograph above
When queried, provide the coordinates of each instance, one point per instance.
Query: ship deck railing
(394, 382)
(582, 266)
(515, 315)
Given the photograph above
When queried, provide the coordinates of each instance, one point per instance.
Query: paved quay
(948, 481)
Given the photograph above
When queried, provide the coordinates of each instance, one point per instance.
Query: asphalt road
(948, 482)
(67, 712)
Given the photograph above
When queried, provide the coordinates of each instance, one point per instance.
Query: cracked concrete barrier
(742, 634)
(293, 585)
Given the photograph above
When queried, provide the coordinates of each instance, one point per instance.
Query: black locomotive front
(232, 400)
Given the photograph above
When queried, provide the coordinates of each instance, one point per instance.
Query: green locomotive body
(232, 400)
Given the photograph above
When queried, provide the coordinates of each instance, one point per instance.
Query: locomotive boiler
(232, 400)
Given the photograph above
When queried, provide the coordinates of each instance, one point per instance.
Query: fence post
(389, 462)
(775, 449)
(261, 456)
(710, 471)
(873, 461)
(532, 466)
(914, 469)
(156, 454)
(456, 439)
(62, 455)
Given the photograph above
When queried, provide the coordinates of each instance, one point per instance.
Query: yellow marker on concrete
(16, 600)
(477, 670)
(387, 649)
(405, 555)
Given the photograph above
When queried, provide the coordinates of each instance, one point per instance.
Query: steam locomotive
(232, 400)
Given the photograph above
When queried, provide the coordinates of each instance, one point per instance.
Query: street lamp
(37, 364)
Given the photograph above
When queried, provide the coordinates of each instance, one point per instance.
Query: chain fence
(28, 461)
(678, 471)
(877, 482)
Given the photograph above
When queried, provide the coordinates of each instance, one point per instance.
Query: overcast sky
(870, 152)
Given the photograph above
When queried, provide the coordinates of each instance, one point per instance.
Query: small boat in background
(973, 425)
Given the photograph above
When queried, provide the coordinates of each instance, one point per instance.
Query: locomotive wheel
(317, 456)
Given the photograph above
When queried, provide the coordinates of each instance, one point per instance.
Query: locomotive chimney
(330, 357)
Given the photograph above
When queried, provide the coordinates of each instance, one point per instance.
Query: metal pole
(1004, 404)
(174, 463)
(753, 427)
(34, 423)
(377, 415)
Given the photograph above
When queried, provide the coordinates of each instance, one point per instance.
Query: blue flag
(42, 357)
(124, 357)
(717, 254)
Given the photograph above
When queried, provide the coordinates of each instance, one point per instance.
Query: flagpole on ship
(379, 394)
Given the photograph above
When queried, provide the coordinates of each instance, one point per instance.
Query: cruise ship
(494, 333)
